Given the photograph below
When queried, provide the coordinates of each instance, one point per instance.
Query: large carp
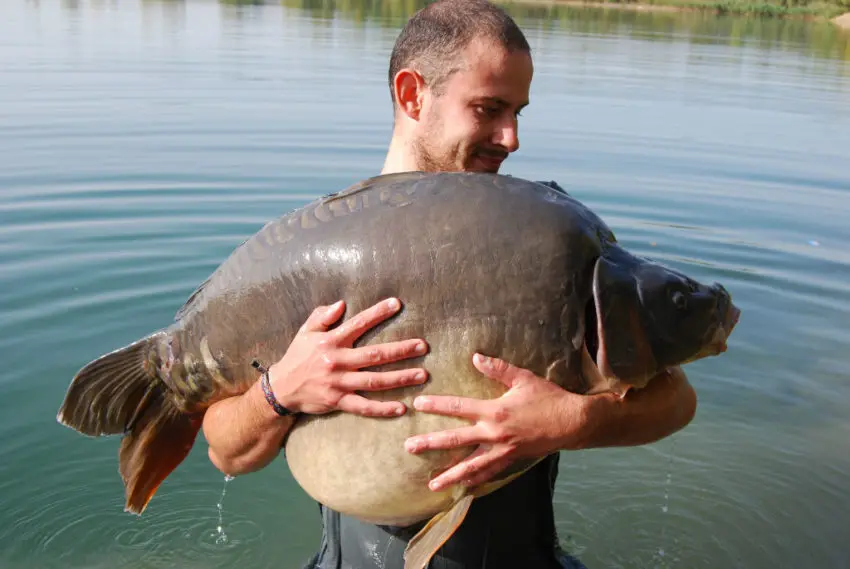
(481, 262)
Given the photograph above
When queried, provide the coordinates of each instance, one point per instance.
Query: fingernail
(421, 402)
(482, 360)
(420, 376)
(393, 303)
(420, 348)
(335, 305)
(411, 446)
(434, 485)
(400, 410)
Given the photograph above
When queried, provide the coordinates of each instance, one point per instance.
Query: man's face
(471, 125)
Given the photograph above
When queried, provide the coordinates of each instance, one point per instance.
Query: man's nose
(507, 135)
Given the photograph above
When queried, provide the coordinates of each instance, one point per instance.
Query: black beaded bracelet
(267, 390)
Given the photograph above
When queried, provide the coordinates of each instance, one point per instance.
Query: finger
(497, 369)
(442, 440)
(356, 358)
(322, 317)
(358, 324)
(377, 381)
(453, 406)
(480, 462)
(358, 405)
(488, 473)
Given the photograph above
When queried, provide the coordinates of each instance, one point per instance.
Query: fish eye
(679, 300)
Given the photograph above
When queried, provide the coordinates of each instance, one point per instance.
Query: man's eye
(489, 111)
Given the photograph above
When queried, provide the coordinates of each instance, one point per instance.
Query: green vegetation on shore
(821, 9)
(814, 37)
(771, 8)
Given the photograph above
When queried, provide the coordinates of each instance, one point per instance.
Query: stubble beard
(431, 157)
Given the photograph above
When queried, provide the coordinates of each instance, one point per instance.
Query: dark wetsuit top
(511, 528)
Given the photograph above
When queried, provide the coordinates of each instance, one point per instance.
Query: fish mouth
(719, 340)
(733, 314)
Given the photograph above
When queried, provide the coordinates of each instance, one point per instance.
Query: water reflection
(811, 38)
(171, 12)
(821, 39)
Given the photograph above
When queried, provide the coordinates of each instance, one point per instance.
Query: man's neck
(399, 156)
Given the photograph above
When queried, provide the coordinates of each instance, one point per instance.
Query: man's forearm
(665, 406)
(244, 433)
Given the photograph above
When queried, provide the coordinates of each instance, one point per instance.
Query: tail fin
(120, 393)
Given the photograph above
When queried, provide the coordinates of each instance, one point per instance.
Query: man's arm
(318, 373)
(536, 417)
(244, 433)
(665, 406)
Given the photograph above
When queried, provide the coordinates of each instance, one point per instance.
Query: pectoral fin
(436, 532)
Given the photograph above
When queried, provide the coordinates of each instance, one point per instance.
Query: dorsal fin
(354, 189)
(191, 300)
(367, 184)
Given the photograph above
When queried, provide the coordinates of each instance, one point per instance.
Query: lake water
(142, 141)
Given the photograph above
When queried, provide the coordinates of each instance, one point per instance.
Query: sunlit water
(141, 142)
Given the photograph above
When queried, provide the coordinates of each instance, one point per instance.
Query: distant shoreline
(814, 11)
(843, 21)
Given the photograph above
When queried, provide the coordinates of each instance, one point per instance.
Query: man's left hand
(532, 419)
(535, 417)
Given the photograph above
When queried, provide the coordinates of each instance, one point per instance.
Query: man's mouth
(491, 158)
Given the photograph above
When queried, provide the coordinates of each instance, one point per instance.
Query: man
(460, 73)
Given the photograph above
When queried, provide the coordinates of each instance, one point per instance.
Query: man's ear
(409, 88)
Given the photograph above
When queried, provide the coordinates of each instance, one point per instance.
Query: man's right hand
(320, 371)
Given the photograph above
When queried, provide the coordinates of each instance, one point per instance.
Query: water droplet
(222, 537)
(666, 502)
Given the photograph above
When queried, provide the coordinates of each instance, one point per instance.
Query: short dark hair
(433, 37)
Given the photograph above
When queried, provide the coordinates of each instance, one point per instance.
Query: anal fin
(436, 532)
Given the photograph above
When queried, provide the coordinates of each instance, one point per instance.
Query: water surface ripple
(143, 141)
